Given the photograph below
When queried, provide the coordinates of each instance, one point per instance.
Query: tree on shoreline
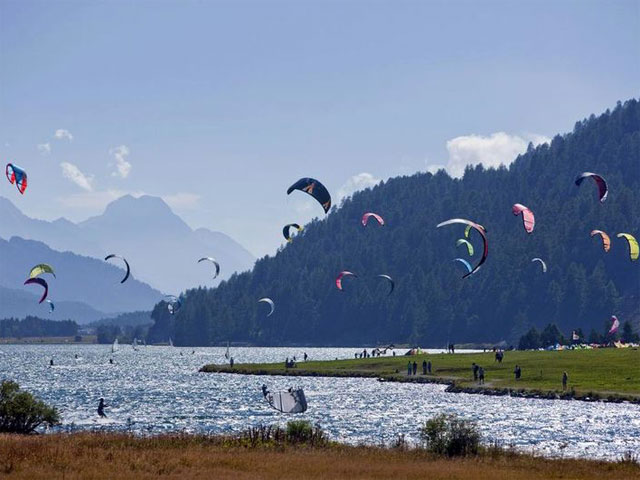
(21, 412)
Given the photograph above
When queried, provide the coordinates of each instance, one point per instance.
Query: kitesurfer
(111, 361)
(101, 406)
(51, 362)
(265, 390)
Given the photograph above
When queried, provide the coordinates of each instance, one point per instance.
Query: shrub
(450, 435)
(21, 412)
(302, 431)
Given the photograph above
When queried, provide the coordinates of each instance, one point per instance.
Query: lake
(159, 389)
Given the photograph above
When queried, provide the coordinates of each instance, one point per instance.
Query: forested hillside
(431, 303)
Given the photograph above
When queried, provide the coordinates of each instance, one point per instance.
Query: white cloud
(123, 167)
(497, 149)
(183, 201)
(73, 173)
(44, 148)
(61, 134)
(357, 182)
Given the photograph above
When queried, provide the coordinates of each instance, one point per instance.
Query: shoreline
(616, 384)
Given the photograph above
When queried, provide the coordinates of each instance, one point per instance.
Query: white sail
(134, 344)
(114, 347)
(170, 342)
(227, 355)
(291, 401)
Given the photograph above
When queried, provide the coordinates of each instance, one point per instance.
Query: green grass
(600, 373)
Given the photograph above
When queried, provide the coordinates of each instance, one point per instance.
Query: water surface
(159, 389)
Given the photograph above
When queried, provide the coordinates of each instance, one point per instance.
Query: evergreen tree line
(432, 304)
(37, 327)
(551, 335)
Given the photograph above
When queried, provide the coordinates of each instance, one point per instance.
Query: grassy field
(99, 456)
(602, 373)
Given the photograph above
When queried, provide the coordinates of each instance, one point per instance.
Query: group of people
(412, 368)
(478, 373)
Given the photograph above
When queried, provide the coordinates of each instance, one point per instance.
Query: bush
(450, 435)
(21, 412)
(302, 431)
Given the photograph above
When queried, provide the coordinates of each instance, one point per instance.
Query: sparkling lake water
(156, 389)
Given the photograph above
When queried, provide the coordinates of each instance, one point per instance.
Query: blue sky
(219, 106)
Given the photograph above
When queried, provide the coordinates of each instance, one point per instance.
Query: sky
(219, 106)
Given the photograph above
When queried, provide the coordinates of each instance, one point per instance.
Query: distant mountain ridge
(161, 248)
(85, 289)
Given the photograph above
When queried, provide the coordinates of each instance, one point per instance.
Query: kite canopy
(271, 304)
(113, 255)
(462, 241)
(634, 250)
(606, 241)
(42, 283)
(603, 189)
(314, 188)
(480, 229)
(344, 273)
(368, 215)
(528, 219)
(464, 262)
(287, 228)
(291, 401)
(173, 303)
(215, 263)
(40, 269)
(17, 175)
(392, 284)
(615, 324)
(544, 265)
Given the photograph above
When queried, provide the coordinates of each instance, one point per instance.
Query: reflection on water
(159, 389)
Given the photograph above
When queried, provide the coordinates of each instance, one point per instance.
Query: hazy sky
(219, 106)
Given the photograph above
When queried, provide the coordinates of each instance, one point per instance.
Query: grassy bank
(93, 456)
(612, 374)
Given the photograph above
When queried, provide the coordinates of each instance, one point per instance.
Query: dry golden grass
(101, 456)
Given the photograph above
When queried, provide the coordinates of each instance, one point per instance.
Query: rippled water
(159, 389)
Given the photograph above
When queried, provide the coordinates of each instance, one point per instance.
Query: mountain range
(160, 247)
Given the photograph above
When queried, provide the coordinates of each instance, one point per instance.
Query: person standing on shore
(474, 369)
(409, 368)
(480, 375)
(424, 367)
(565, 378)
(429, 367)
(415, 367)
(518, 372)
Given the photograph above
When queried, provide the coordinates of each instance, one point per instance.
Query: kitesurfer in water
(51, 362)
(101, 406)
(111, 361)
(265, 390)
